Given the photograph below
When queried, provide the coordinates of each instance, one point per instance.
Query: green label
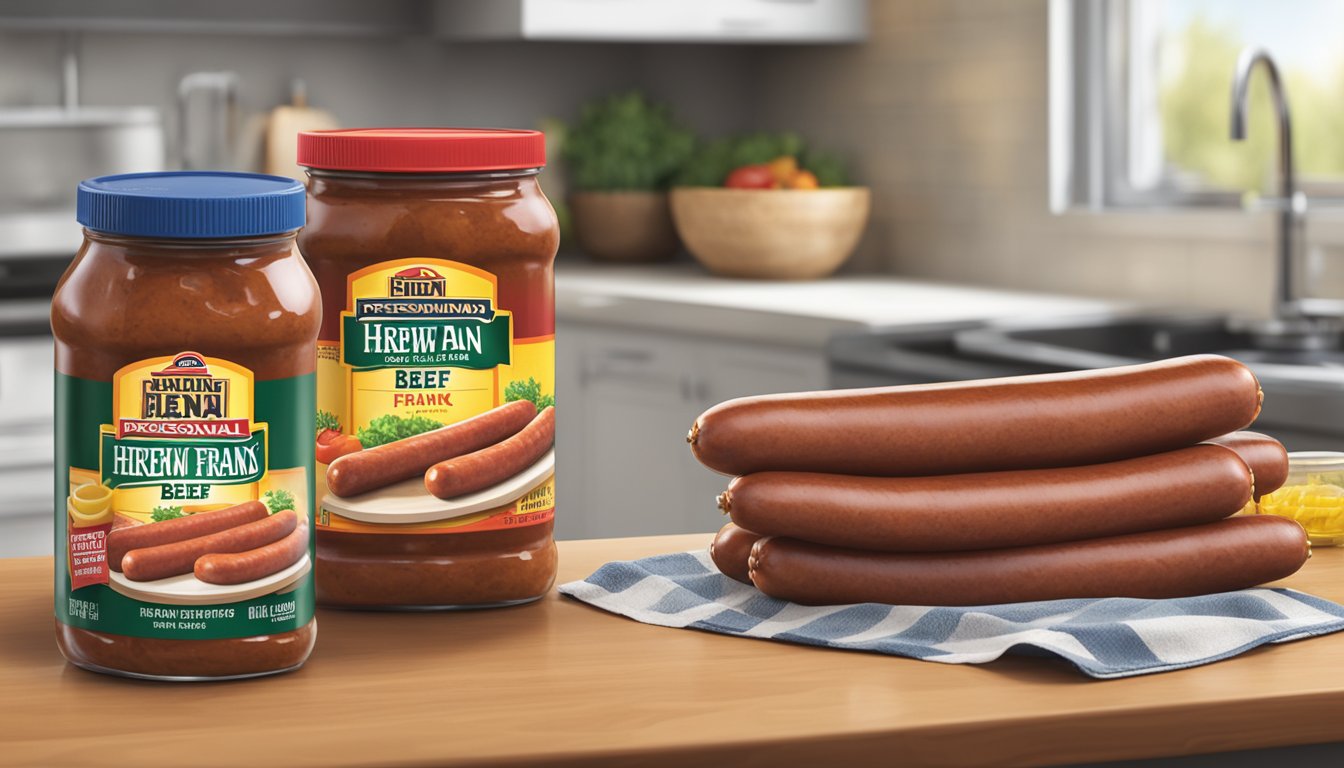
(171, 437)
(136, 461)
(370, 343)
(101, 609)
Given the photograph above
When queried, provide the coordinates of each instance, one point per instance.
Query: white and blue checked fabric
(1105, 638)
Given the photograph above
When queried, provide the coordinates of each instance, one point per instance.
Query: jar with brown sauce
(434, 251)
(185, 336)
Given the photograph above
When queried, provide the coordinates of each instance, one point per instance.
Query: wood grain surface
(559, 683)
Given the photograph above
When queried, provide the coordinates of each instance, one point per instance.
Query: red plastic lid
(422, 150)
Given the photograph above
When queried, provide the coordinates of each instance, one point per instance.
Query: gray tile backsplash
(943, 111)
(946, 110)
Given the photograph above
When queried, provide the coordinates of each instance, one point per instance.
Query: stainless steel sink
(1118, 341)
(1304, 390)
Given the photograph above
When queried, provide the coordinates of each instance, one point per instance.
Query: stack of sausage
(1120, 482)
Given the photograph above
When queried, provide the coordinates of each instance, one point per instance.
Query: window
(1140, 100)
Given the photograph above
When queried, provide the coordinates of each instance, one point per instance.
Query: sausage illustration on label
(126, 538)
(1227, 555)
(240, 567)
(987, 510)
(1025, 422)
(179, 557)
(461, 475)
(378, 467)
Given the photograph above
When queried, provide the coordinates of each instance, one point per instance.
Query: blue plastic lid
(191, 204)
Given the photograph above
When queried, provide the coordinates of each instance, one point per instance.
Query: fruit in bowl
(765, 207)
(781, 173)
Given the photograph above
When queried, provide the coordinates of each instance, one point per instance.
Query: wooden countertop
(559, 683)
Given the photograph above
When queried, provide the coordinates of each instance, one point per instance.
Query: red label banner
(224, 428)
(88, 555)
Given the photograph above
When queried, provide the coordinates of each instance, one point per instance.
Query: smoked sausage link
(1024, 422)
(730, 549)
(253, 564)
(123, 540)
(1230, 554)
(991, 510)
(461, 475)
(383, 465)
(180, 557)
(1266, 457)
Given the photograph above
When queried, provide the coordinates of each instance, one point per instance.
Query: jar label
(180, 462)
(424, 344)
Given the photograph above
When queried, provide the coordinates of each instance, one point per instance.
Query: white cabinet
(27, 448)
(625, 400)
(701, 21)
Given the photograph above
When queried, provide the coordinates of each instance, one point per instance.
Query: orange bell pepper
(784, 168)
(804, 180)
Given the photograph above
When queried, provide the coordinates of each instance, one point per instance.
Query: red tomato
(332, 445)
(751, 177)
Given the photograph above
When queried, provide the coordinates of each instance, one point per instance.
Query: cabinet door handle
(701, 390)
(694, 389)
(620, 362)
(627, 355)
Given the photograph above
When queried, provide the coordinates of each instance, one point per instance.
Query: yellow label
(425, 343)
(182, 435)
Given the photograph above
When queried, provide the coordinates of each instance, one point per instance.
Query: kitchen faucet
(1289, 230)
(1294, 323)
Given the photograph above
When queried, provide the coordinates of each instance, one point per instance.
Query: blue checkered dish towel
(1104, 638)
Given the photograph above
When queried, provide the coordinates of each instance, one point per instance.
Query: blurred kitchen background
(1007, 186)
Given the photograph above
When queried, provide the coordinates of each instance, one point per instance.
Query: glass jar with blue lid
(185, 334)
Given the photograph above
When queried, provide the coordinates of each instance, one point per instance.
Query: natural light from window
(1193, 46)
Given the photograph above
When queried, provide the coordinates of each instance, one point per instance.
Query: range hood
(654, 21)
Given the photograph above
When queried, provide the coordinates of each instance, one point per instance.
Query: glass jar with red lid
(433, 249)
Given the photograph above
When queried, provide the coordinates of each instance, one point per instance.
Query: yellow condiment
(1318, 506)
(90, 504)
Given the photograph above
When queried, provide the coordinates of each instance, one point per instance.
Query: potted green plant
(620, 158)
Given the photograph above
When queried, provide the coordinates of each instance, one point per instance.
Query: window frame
(1101, 137)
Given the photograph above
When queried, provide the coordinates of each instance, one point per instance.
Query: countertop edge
(1259, 718)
